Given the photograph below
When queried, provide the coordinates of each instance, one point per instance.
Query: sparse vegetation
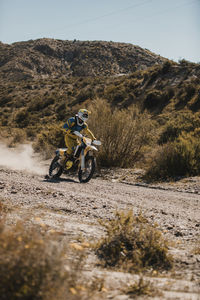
(174, 159)
(16, 137)
(132, 243)
(141, 288)
(183, 123)
(146, 111)
(157, 102)
(196, 249)
(49, 139)
(35, 264)
(30, 267)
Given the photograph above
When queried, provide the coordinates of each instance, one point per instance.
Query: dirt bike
(82, 160)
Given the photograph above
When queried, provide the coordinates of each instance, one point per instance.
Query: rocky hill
(45, 58)
(44, 82)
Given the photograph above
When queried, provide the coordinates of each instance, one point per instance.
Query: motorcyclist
(76, 123)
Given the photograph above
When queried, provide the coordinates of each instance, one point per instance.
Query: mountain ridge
(35, 85)
(45, 57)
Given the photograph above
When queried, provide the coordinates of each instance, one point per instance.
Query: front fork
(82, 160)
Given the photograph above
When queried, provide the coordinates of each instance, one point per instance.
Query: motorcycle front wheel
(55, 169)
(86, 174)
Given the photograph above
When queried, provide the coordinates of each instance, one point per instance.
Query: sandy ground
(73, 209)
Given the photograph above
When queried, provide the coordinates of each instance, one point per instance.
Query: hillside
(133, 230)
(52, 75)
(168, 87)
(45, 58)
(38, 93)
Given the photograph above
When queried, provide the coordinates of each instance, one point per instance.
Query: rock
(178, 233)
(170, 227)
(13, 192)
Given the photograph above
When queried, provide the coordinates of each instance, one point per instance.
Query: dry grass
(196, 250)
(132, 243)
(141, 288)
(36, 264)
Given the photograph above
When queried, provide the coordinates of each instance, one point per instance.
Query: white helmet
(83, 114)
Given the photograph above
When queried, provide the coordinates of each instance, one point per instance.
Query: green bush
(124, 133)
(39, 103)
(195, 105)
(21, 117)
(174, 159)
(133, 244)
(186, 122)
(152, 99)
(185, 94)
(167, 66)
(156, 100)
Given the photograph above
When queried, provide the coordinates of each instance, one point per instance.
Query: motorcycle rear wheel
(86, 175)
(55, 169)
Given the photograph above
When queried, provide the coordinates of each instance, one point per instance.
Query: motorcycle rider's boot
(69, 158)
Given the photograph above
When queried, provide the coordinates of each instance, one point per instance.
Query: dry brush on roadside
(132, 243)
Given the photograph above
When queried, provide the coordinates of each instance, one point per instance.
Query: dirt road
(74, 208)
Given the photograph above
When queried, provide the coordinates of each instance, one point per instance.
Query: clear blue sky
(170, 28)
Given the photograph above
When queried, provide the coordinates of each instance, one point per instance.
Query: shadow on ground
(58, 180)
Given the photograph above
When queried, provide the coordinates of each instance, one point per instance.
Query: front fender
(93, 148)
(61, 151)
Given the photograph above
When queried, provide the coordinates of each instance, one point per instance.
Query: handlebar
(95, 142)
(78, 134)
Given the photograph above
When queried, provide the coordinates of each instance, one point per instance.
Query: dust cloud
(20, 158)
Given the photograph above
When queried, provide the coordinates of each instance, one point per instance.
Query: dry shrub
(31, 267)
(3, 209)
(38, 104)
(185, 122)
(195, 103)
(35, 265)
(49, 139)
(156, 100)
(17, 136)
(21, 117)
(124, 133)
(132, 243)
(141, 287)
(196, 250)
(153, 99)
(174, 159)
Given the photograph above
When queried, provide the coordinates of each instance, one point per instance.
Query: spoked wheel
(55, 169)
(86, 174)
